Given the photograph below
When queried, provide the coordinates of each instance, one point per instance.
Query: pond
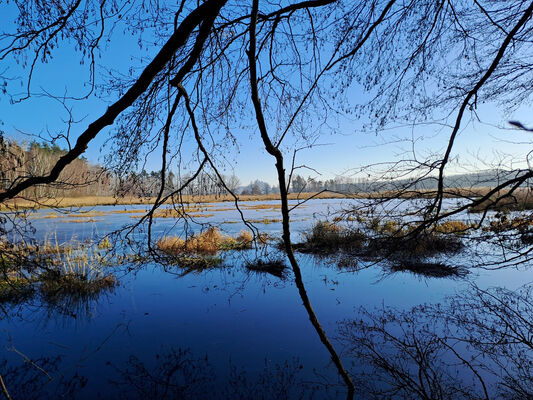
(229, 332)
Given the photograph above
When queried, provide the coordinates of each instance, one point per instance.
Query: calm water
(223, 333)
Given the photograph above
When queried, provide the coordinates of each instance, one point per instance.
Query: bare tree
(417, 61)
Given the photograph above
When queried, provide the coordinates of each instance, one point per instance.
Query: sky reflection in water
(233, 333)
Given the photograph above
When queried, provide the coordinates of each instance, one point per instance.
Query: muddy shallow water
(222, 333)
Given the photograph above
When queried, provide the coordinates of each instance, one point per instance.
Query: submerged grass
(429, 269)
(81, 220)
(276, 268)
(196, 263)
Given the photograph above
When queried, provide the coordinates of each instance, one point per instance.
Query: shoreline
(89, 201)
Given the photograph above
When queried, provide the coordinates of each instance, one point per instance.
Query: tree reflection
(40, 378)
(178, 374)
(478, 345)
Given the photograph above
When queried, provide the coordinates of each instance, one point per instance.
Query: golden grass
(104, 244)
(259, 207)
(520, 200)
(520, 223)
(453, 227)
(45, 216)
(81, 220)
(265, 221)
(88, 201)
(172, 213)
(344, 218)
(207, 242)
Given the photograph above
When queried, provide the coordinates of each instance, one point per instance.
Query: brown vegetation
(54, 284)
(389, 241)
(520, 200)
(208, 242)
(55, 270)
(326, 237)
(88, 201)
(265, 221)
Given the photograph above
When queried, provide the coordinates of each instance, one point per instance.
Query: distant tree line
(79, 178)
(345, 184)
(148, 184)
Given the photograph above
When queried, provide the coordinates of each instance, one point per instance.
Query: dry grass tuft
(104, 244)
(326, 237)
(258, 207)
(265, 221)
(457, 227)
(208, 242)
(179, 213)
(391, 242)
(81, 220)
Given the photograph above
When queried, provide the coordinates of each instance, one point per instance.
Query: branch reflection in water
(477, 345)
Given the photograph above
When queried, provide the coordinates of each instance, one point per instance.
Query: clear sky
(343, 152)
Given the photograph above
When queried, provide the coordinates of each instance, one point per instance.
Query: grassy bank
(88, 201)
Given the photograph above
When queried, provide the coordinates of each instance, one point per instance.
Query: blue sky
(343, 152)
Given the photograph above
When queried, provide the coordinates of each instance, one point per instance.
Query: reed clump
(265, 221)
(105, 243)
(179, 213)
(208, 242)
(54, 270)
(425, 244)
(56, 283)
(387, 240)
(326, 237)
(453, 226)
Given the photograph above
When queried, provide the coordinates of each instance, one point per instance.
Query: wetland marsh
(234, 326)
